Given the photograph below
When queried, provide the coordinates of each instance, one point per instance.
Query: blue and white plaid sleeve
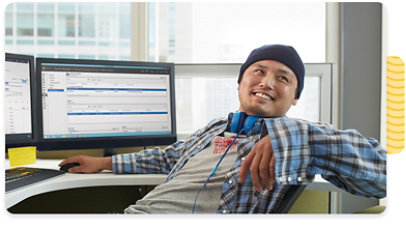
(343, 157)
(162, 161)
(152, 161)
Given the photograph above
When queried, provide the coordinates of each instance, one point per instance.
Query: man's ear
(295, 101)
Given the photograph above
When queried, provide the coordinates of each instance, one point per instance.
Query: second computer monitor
(19, 103)
(105, 104)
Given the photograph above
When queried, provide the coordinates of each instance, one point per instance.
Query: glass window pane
(86, 8)
(308, 107)
(69, 29)
(198, 100)
(25, 24)
(125, 23)
(103, 57)
(66, 8)
(86, 56)
(107, 21)
(25, 7)
(45, 24)
(25, 42)
(201, 98)
(66, 43)
(107, 8)
(86, 20)
(104, 44)
(45, 55)
(25, 20)
(124, 58)
(66, 56)
(86, 43)
(10, 7)
(209, 32)
(45, 42)
(46, 7)
(9, 24)
(152, 24)
(86, 25)
(66, 25)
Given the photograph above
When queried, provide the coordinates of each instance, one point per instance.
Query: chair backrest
(290, 198)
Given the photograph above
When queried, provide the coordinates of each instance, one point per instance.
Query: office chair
(291, 195)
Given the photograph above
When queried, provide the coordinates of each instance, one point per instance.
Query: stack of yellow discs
(395, 104)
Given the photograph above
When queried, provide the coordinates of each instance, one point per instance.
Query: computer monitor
(105, 104)
(19, 100)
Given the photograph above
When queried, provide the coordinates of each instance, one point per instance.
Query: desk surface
(104, 178)
(72, 180)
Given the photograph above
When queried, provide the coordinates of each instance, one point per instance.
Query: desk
(71, 180)
(106, 178)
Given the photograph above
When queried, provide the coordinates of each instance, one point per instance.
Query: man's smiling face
(267, 89)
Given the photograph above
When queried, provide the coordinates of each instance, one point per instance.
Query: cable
(214, 170)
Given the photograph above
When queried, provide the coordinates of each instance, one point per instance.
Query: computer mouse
(66, 167)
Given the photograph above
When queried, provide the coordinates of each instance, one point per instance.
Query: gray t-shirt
(178, 195)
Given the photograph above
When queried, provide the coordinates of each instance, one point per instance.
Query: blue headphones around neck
(240, 120)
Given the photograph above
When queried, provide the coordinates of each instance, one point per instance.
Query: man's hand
(260, 162)
(88, 164)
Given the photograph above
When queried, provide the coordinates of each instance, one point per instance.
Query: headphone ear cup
(237, 122)
(249, 122)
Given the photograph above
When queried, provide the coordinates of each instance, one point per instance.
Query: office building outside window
(225, 32)
(69, 30)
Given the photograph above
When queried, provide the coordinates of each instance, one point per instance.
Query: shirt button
(224, 211)
(242, 158)
(289, 179)
(198, 146)
(230, 181)
(299, 179)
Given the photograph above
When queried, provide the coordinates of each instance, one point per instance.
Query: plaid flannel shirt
(302, 149)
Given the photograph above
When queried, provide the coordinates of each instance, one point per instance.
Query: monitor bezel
(104, 142)
(16, 140)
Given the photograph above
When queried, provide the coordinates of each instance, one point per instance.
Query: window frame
(325, 71)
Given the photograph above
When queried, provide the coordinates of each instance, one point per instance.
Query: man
(269, 154)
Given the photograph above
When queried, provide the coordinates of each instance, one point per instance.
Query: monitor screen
(105, 104)
(19, 99)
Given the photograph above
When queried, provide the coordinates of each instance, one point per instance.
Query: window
(25, 20)
(207, 91)
(180, 32)
(69, 30)
(224, 32)
(86, 20)
(45, 20)
(9, 22)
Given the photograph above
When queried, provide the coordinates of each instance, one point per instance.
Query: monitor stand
(108, 152)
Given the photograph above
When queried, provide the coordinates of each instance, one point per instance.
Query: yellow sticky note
(22, 156)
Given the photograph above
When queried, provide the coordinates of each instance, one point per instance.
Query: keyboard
(23, 176)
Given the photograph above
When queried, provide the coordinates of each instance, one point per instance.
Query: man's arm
(302, 150)
(260, 162)
(147, 161)
(162, 161)
(348, 160)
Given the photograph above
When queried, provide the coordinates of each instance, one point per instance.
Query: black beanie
(286, 55)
